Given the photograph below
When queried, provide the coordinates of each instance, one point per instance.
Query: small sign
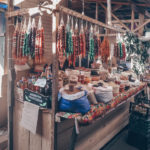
(30, 117)
(38, 99)
(40, 83)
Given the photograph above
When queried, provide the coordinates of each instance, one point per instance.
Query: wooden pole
(118, 3)
(55, 22)
(109, 12)
(132, 18)
(141, 21)
(11, 75)
(141, 26)
(96, 13)
(94, 21)
(116, 18)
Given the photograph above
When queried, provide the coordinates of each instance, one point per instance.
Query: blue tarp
(5, 6)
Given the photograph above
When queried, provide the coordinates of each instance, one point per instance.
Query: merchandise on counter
(75, 102)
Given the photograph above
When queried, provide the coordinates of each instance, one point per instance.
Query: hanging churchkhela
(105, 51)
(69, 42)
(76, 44)
(82, 42)
(91, 46)
(15, 42)
(39, 43)
(61, 43)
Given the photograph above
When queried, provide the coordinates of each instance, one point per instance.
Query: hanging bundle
(105, 51)
(96, 46)
(39, 43)
(87, 40)
(22, 35)
(91, 46)
(120, 49)
(15, 42)
(123, 51)
(82, 42)
(69, 41)
(99, 46)
(32, 39)
(61, 43)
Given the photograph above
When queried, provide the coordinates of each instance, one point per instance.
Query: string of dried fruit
(99, 46)
(91, 47)
(96, 48)
(120, 48)
(124, 51)
(87, 42)
(25, 45)
(82, 45)
(69, 44)
(61, 45)
(14, 43)
(39, 45)
(105, 50)
(116, 50)
(22, 35)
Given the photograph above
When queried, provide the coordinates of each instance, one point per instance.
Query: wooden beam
(138, 28)
(126, 21)
(96, 13)
(132, 18)
(109, 12)
(11, 75)
(116, 7)
(141, 21)
(118, 3)
(116, 18)
(80, 16)
(55, 23)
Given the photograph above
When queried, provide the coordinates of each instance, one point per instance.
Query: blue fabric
(5, 6)
(80, 105)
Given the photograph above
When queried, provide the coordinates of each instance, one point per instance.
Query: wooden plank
(46, 131)
(36, 139)
(55, 23)
(106, 130)
(3, 139)
(132, 18)
(11, 75)
(23, 134)
(109, 12)
(94, 21)
(141, 26)
(141, 21)
(119, 3)
(116, 7)
(116, 18)
(96, 12)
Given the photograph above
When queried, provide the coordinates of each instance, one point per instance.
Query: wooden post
(132, 18)
(141, 21)
(11, 75)
(109, 12)
(55, 22)
(96, 13)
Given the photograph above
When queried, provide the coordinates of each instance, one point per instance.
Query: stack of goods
(28, 43)
(37, 88)
(139, 125)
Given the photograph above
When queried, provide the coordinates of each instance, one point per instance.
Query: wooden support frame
(11, 75)
(119, 3)
(138, 28)
(116, 18)
(86, 18)
(109, 12)
(96, 11)
(132, 18)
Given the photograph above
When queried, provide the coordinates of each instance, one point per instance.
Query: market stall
(82, 86)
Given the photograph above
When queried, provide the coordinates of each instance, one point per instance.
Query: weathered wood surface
(25, 140)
